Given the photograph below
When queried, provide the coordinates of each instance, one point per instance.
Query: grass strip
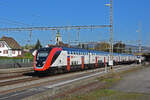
(105, 93)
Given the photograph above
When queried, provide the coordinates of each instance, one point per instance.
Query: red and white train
(49, 59)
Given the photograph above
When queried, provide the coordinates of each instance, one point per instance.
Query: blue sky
(127, 15)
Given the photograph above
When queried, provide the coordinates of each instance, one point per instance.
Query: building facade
(9, 47)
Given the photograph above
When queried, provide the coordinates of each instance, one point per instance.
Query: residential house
(9, 47)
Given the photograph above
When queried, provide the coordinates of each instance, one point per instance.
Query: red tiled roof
(11, 42)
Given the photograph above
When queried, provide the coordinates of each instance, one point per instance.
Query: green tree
(130, 51)
(38, 45)
(119, 47)
(27, 46)
(102, 46)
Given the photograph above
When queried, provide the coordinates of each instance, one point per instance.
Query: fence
(15, 63)
(6, 61)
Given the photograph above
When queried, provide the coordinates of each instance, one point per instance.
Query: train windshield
(43, 53)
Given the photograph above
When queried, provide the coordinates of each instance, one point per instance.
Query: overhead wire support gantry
(54, 28)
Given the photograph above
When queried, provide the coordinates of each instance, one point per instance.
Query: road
(138, 82)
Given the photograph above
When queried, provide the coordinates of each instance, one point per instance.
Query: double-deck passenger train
(49, 59)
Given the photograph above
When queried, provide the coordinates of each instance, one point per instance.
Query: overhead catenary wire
(54, 28)
(8, 21)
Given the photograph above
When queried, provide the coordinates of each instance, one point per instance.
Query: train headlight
(44, 62)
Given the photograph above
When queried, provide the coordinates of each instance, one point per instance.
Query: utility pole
(78, 35)
(30, 37)
(140, 42)
(52, 37)
(111, 33)
(68, 37)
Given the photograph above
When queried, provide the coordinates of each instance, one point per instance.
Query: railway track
(7, 74)
(15, 82)
(22, 83)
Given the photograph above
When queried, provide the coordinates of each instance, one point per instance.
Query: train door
(68, 63)
(104, 61)
(96, 62)
(82, 62)
(89, 54)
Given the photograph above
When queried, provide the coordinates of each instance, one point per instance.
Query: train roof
(84, 50)
(91, 51)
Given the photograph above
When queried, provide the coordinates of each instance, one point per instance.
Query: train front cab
(44, 58)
